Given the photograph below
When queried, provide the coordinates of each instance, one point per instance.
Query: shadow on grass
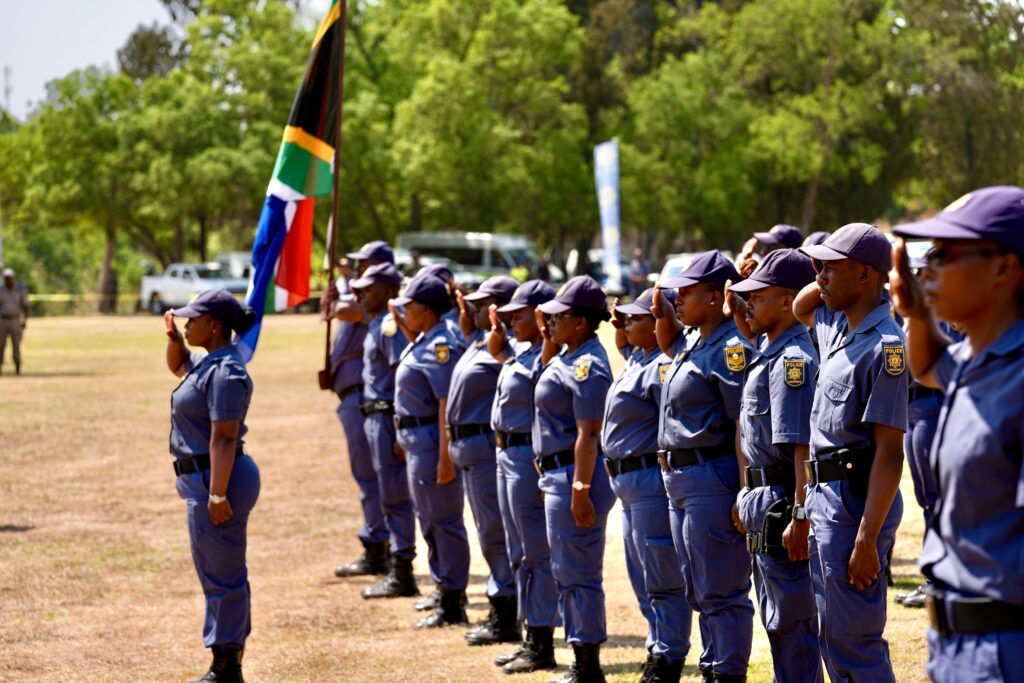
(625, 641)
(15, 528)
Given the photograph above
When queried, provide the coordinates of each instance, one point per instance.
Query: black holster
(769, 539)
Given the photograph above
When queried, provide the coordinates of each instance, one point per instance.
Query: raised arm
(805, 303)
(176, 354)
(666, 325)
(926, 342)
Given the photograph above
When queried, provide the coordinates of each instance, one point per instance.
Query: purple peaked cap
(710, 266)
(991, 213)
(783, 268)
(816, 237)
(581, 291)
(216, 302)
(500, 287)
(378, 250)
(786, 235)
(530, 293)
(859, 241)
(642, 304)
(379, 272)
(425, 289)
(437, 270)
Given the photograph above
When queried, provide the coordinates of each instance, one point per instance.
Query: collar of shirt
(770, 350)
(585, 347)
(1007, 343)
(440, 327)
(871, 321)
(726, 328)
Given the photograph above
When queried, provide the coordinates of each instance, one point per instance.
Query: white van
(478, 251)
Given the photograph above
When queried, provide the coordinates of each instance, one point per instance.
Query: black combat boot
(226, 666)
(587, 667)
(450, 612)
(374, 560)
(538, 651)
(664, 671)
(399, 583)
(502, 625)
(430, 602)
(647, 670)
(729, 678)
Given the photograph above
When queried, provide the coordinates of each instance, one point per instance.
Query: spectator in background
(639, 269)
(542, 272)
(13, 317)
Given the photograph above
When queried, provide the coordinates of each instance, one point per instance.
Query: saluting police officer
(629, 439)
(698, 438)
(346, 370)
(775, 425)
(974, 550)
(569, 398)
(472, 447)
(382, 350)
(421, 396)
(857, 425)
(519, 498)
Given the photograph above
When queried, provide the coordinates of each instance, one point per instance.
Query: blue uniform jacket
(571, 387)
(216, 386)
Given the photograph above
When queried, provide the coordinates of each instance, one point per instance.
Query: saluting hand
(657, 303)
(499, 336)
(171, 329)
(618, 320)
(220, 512)
(465, 319)
(904, 288)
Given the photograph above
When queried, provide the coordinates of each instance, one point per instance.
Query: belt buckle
(812, 476)
(449, 432)
(663, 461)
(536, 466)
(608, 468)
(499, 439)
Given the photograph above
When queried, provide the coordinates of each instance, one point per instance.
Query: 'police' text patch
(736, 357)
(796, 372)
(895, 358)
(581, 369)
(442, 353)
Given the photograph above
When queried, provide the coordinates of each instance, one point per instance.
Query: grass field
(96, 581)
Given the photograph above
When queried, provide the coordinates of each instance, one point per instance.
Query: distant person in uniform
(857, 426)
(639, 269)
(818, 237)
(217, 479)
(974, 549)
(781, 236)
(13, 318)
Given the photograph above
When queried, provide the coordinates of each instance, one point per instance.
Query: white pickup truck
(182, 281)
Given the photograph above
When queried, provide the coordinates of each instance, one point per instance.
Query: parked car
(180, 283)
(674, 264)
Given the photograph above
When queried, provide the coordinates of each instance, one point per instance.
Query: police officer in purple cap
(472, 448)
(856, 455)
(421, 395)
(346, 372)
(974, 549)
(698, 443)
(775, 426)
(818, 237)
(629, 439)
(216, 478)
(522, 509)
(382, 349)
(451, 318)
(569, 399)
(781, 236)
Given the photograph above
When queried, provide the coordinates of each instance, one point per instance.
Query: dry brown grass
(96, 583)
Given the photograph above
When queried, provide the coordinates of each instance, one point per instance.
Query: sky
(41, 40)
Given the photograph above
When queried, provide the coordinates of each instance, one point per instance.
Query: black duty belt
(631, 463)
(456, 432)
(197, 463)
(348, 391)
(852, 466)
(512, 439)
(916, 393)
(774, 475)
(954, 616)
(410, 421)
(377, 406)
(546, 463)
(675, 458)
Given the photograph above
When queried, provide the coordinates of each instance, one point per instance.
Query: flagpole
(332, 233)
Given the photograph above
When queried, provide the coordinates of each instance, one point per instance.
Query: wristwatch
(217, 500)
(799, 513)
(580, 486)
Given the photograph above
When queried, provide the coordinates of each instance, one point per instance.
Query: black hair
(439, 307)
(593, 316)
(240, 324)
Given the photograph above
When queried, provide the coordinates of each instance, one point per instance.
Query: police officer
(629, 439)
(778, 392)
(857, 425)
(421, 396)
(522, 508)
(781, 236)
(451, 318)
(697, 437)
(13, 318)
(974, 548)
(472, 448)
(346, 370)
(217, 479)
(382, 349)
(569, 399)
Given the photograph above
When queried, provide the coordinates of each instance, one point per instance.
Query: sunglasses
(943, 256)
(554, 317)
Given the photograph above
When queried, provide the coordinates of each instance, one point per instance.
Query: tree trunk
(202, 237)
(179, 242)
(415, 214)
(108, 282)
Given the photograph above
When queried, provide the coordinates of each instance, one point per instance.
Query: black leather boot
(729, 678)
(587, 667)
(226, 666)
(399, 583)
(538, 651)
(502, 625)
(665, 671)
(450, 612)
(374, 560)
(502, 660)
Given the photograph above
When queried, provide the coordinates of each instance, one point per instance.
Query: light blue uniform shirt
(216, 386)
(512, 410)
(382, 349)
(571, 387)
(632, 407)
(474, 380)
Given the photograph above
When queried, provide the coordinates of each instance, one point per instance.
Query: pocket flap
(837, 391)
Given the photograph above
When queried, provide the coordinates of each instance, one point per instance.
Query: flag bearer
(974, 550)
(421, 397)
(697, 435)
(629, 438)
(857, 425)
(775, 425)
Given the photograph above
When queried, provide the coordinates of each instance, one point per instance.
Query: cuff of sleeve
(225, 415)
(885, 419)
(791, 438)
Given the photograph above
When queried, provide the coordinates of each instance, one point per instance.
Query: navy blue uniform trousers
(373, 530)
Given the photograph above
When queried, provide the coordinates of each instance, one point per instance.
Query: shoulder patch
(581, 369)
(796, 372)
(894, 356)
(389, 327)
(663, 372)
(736, 357)
(442, 353)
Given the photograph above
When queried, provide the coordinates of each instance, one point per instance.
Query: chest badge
(663, 372)
(581, 369)
(442, 353)
(736, 357)
(895, 358)
(389, 327)
(796, 372)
